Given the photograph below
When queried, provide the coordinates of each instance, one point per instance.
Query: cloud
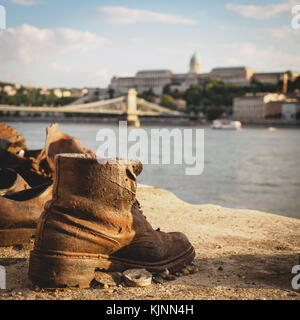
(27, 43)
(262, 58)
(266, 58)
(122, 15)
(100, 75)
(24, 2)
(60, 68)
(262, 12)
(283, 32)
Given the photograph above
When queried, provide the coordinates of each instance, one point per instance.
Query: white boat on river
(226, 124)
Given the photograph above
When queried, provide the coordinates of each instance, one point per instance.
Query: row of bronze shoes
(82, 212)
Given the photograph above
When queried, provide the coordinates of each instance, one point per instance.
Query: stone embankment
(240, 254)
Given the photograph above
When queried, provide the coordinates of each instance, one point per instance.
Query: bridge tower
(285, 83)
(132, 114)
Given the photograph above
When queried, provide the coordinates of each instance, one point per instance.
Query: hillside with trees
(214, 97)
(22, 95)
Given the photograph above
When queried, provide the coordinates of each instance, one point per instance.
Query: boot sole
(60, 270)
(11, 237)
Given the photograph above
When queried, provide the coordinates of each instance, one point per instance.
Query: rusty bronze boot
(94, 222)
(19, 213)
(11, 182)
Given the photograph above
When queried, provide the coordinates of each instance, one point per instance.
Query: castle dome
(195, 64)
(195, 58)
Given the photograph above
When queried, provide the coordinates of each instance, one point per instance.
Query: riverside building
(156, 80)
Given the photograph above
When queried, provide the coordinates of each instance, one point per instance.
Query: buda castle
(156, 80)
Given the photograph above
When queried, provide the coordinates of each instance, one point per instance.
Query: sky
(75, 43)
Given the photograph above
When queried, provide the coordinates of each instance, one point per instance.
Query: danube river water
(251, 169)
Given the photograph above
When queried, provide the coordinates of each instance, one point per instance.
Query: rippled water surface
(252, 168)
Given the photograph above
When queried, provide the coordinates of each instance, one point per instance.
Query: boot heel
(11, 237)
(58, 271)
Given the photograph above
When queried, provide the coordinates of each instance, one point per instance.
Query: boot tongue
(57, 142)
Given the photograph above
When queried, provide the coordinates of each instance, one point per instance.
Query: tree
(148, 95)
(294, 85)
(32, 97)
(168, 102)
(111, 93)
(257, 87)
(194, 98)
(214, 112)
(167, 89)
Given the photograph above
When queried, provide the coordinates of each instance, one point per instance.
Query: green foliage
(214, 112)
(32, 97)
(148, 95)
(175, 93)
(168, 102)
(213, 93)
(257, 87)
(111, 93)
(293, 85)
(214, 97)
(167, 89)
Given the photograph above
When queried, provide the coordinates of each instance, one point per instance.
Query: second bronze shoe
(19, 213)
(94, 222)
(11, 182)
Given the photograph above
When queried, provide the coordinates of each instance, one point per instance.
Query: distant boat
(226, 124)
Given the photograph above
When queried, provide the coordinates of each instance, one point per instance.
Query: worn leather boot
(11, 182)
(94, 222)
(19, 213)
(11, 140)
(28, 168)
